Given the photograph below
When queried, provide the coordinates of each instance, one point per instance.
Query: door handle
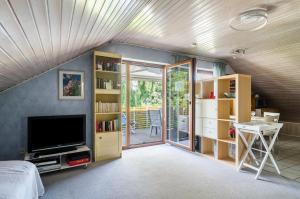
(100, 138)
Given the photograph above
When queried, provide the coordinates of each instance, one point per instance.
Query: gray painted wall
(39, 96)
(136, 52)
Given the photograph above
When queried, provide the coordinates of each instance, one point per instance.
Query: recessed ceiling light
(250, 20)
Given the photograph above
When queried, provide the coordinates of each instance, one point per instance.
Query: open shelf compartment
(226, 152)
(208, 147)
(205, 88)
(227, 85)
(226, 109)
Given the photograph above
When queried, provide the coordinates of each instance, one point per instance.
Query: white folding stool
(258, 129)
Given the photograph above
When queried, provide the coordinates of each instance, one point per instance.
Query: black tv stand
(52, 151)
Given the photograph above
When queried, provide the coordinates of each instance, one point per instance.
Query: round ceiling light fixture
(250, 20)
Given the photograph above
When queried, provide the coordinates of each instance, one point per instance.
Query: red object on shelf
(212, 95)
(231, 132)
(77, 162)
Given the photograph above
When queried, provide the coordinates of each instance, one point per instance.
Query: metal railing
(140, 116)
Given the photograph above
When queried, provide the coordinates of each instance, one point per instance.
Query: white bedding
(19, 180)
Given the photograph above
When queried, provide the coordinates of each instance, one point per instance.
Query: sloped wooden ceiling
(272, 53)
(36, 35)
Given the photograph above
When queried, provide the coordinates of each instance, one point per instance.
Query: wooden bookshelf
(213, 125)
(107, 89)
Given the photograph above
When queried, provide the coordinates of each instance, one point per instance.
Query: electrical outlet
(22, 151)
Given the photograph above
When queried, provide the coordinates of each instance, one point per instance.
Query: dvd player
(48, 167)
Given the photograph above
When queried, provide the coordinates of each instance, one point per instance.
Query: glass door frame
(128, 145)
(191, 64)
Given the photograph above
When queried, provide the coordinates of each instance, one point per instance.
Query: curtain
(219, 69)
(180, 58)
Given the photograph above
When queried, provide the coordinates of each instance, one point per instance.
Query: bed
(19, 180)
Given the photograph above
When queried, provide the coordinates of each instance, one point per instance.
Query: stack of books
(107, 66)
(106, 107)
(107, 84)
(107, 126)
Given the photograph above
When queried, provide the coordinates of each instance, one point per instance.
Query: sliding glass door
(142, 100)
(179, 104)
(145, 104)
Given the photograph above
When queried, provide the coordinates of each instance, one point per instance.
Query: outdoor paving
(142, 136)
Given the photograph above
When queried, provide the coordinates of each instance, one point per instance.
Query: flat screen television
(46, 133)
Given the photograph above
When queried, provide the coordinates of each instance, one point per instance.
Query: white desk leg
(246, 143)
(249, 147)
(265, 158)
(269, 150)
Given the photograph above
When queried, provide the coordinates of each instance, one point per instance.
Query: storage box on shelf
(219, 103)
(107, 106)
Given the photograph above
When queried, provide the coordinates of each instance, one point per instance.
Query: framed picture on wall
(71, 85)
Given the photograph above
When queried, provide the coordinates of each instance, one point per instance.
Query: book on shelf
(232, 86)
(107, 126)
(106, 107)
(111, 66)
(107, 84)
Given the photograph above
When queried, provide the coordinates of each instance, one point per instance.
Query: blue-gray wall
(136, 52)
(39, 97)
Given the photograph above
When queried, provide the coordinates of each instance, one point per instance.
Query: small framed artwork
(71, 85)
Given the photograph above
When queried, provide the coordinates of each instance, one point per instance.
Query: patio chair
(155, 120)
(132, 123)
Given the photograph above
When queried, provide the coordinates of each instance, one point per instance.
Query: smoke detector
(250, 20)
(194, 45)
(238, 52)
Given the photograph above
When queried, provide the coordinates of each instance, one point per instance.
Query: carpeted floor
(165, 172)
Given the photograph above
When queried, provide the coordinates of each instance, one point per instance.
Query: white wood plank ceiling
(36, 35)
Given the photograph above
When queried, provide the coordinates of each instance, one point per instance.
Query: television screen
(49, 132)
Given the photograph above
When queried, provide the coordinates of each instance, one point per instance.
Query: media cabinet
(59, 161)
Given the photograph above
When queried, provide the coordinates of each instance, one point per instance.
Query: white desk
(258, 129)
(257, 118)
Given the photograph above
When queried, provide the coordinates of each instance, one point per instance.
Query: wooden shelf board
(226, 120)
(108, 91)
(105, 71)
(209, 138)
(109, 113)
(228, 140)
(226, 98)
